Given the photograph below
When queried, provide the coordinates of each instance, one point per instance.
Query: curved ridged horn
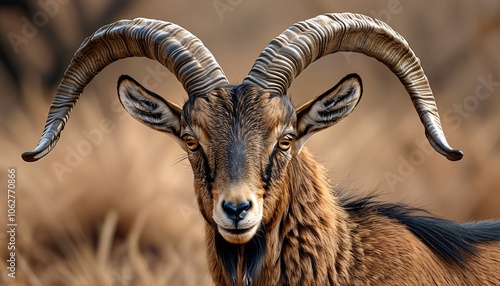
(174, 47)
(291, 52)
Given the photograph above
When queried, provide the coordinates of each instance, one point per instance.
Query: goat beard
(252, 253)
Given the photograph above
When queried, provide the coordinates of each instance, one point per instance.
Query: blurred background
(113, 204)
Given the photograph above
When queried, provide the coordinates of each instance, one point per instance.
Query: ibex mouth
(236, 231)
(238, 235)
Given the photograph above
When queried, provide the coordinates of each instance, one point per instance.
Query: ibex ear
(327, 109)
(148, 107)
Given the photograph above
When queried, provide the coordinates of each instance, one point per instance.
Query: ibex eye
(285, 142)
(191, 142)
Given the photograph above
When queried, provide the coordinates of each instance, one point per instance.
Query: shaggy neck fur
(308, 233)
(242, 262)
(313, 239)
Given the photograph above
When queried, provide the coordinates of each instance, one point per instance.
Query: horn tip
(29, 156)
(42, 149)
(455, 155)
(438, 142)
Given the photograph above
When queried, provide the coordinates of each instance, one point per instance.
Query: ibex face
(239, 141)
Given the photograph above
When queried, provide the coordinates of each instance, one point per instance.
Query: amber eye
(191, 142)
(285, 142)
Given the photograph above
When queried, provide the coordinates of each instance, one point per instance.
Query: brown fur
(316, 242)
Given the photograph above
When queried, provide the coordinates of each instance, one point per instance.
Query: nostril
(229, 209)
(236, 212)
(244, 206)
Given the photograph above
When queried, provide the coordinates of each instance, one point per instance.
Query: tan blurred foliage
(113, 203)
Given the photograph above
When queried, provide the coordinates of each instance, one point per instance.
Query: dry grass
(105, 223)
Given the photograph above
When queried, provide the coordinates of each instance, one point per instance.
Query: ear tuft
(328, 109)
(148, 107)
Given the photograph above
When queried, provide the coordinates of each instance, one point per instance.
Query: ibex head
(241, 138)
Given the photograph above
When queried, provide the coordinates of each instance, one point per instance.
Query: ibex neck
(308, 246)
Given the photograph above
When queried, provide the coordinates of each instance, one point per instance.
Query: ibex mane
(271, 216)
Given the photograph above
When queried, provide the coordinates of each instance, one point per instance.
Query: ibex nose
(236, 212)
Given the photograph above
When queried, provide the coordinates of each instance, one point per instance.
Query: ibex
(271, 216)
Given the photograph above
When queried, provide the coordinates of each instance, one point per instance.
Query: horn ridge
(177, 49)
(307, 41)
